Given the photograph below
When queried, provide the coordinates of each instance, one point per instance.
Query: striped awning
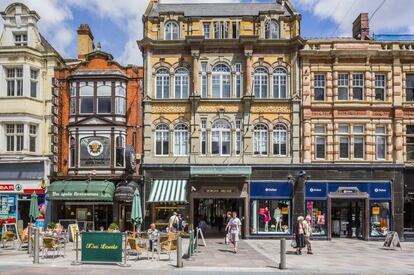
(168, 191)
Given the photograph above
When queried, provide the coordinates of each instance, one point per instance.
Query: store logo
(271, 190)
(95, 148)
(6, 187)
(315, 190)
(19, 187)
(380, 190)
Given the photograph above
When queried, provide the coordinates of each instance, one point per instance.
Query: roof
(394, 37)
(99, 72)
(48, 47)
(212, 9)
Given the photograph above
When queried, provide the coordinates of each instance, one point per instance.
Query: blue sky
(117, 24)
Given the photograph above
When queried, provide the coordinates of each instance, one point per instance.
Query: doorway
(214, 211)
(347, 218)
(125, 217)
(24, 208)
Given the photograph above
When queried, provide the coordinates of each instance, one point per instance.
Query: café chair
(137, 247)
(24, 240)
(169, 247)
(8, 237)
(50, 244)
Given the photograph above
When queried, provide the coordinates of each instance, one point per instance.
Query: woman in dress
(299, 235)
(234, 226)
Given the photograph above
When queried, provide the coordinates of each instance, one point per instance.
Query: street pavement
(340, 256)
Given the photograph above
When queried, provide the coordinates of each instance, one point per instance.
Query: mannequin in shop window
(278, 217)
(266, 218)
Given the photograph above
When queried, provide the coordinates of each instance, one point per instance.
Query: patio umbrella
(34, 208)
(136, 213)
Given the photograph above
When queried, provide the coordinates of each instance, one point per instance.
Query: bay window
(72, 156)
(104, 98)
(120, 99)
(14, 79)
(72, 108)
(86, 98)
(14, 137)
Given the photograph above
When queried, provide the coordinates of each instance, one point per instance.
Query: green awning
(213, 171)
(81, 191)
(168, 191)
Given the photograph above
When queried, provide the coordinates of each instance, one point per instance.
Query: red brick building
(100, 138)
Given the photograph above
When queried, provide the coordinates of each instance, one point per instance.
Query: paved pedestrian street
(254, 257)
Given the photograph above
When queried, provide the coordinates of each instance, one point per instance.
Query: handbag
(293, 244)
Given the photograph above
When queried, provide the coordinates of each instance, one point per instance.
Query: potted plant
(51, 225)
(113, 227)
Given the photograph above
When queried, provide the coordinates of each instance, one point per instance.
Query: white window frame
(358, 82)
(239, 80)
(261, 83)
(380, 134)
(260, 140)
(181, 140)
(204, 80)
(17, 136)
(182, 83)
(343, 82)
(120, 98)
(221, 128)
(223, 73)
(33, 135)
(34, 80)
(86, 94)
(279, 131)
(221, 30)
(319, 84)
(344, 135)
(14, 75)
(381, 84)
(162, 79)
(172, 30)
(203, 137)
(358, 135)
(207, 30)
(272, 29)
(280, 80)
(238, 141)
(162, 132)
(20, 39)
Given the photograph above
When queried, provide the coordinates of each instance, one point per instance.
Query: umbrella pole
(133, 231)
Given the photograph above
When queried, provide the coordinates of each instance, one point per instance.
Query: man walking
(307, 226)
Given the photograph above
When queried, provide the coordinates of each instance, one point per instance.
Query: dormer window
(272, 30)
(172, 31)
(221, 30)
(20, 39)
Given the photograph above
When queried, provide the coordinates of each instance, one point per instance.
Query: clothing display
(278, 217)
(271, 216)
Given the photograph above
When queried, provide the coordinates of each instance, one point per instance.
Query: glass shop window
(380, 218)
(271, 217)
(317, 211)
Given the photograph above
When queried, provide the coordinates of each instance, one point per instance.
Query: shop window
(8, 208)
(380, 86)
(409, 92)
(343, 86)
(317, 211)
(380, 218)
(319, 87)
(410, 142)
(260, 80)
(271, 217)
(358, 86)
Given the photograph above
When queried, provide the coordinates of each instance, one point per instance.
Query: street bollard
(29, 248)
(36, 246)
(76, 240)
(179, 252)
(124, 264)
(282, 264)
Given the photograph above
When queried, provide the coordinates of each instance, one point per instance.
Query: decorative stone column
(196, 66)
(307, 141)
(248, 53)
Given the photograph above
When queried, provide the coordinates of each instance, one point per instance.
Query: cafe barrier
(191, 244)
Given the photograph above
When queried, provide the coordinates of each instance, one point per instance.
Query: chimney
(85, 41)
(360, 29)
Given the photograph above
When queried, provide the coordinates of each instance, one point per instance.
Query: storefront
(353, 209)
(87, 203)
(271, 207)
(124, 194)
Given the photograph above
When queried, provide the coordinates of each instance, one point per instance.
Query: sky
(117, 24)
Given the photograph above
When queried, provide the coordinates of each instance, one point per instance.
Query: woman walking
(299, 235)
(307, 226)
(234, 226)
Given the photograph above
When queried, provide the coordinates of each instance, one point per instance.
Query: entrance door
(125, 217)
(214, 211)
(347, 218)
(24, 208)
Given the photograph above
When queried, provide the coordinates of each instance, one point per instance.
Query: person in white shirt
(173, 223)
(234, 226)
(307, 227)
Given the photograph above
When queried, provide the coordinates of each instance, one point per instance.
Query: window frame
(16, 79)
(319, 85)
(181, 139)
(204, 80)
(163, 77)
(381, 85)
(162, 131)
(16, 137)
(239, 80)
(172, 30)
(238, 140)
(182, 82)
(33, 138)
(320, 135)
(409, 90)
(222, 77)
(261, 83)
(20, 42)
(34, 82)
(278, 131)
(221, 29)
(378, 136)
(222, 132)
(272, 29)
(358, 82)
(260, 138)
(203, 137)
(343, 83)
(207, 33)
(279, 76)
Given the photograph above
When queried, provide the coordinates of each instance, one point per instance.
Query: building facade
(99, 138)
(27, 64)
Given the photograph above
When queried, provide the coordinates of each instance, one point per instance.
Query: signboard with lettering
(101, 247)
(95, 152)
(270, 189)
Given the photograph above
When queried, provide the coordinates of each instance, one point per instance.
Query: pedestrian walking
(307, 226)
(152, 235)
(180, 222)
(202, 224)
(173, 223)
(226, 229)
(299, 235)
(234, 226)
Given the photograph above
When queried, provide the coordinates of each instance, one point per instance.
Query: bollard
(36, 246)
(76, 240)
(29, 248)
(282, 264)
(179, 252)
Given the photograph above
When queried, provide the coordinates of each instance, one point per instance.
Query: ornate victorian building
(221, 112)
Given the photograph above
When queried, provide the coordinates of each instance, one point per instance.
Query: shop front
(87, 203)
(271, 208)
(124, 194)
(349, 209)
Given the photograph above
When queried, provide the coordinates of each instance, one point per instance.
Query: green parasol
(34, 208)
(136, 213)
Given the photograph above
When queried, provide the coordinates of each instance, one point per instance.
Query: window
(72, 98)
(34, 74)
(280, 83)
(72, 145)
(320, 142)
(221, 138)
(221, 81)
(380, 218)
(238, 142)
(410, 88)
(271, 29)
(172, 31)
(181, 140)
(278, 213)
(358, 86)
(235, 30)
(20, 39)
(343, 86)
(181, 83)
(343, 142)
(163, 84)
(104, 98)
(204, 80)
(32, 138)
(319, 87)
(260, 140)
(120, 151)
(162, 138)
(206, 27)
(410, 142)
(260, 83)
(14, 79)
(86, 98)
(15, 137)
(120, 99)
(238, 80)
(359, 142)
(380, 143)
(318, 211)
(280, 140)
(380, 84)
(203, 137)
(221, 30)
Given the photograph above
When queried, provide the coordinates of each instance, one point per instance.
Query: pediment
(94, 121)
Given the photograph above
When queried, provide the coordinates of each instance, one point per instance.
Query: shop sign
(6, 187)
(219, 190)
(95, 152)
(101, 247)
(26, 187)
(376, 190)
(268, 189)
(75, 194)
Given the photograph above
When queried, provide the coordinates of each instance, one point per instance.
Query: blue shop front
(349, 209)
(270, 207)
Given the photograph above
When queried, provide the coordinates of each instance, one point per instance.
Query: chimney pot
(85, 41)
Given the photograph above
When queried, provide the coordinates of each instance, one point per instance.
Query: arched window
(280, 135)
(120, 151)
(272, 29)
(162, 139)
(280, 83)
(181, 83)
(172, 31)
(221, 81)
(260, 140)
(221, 138)
(72, 146)
(181, 140)
(163, 83)
(260, 83)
